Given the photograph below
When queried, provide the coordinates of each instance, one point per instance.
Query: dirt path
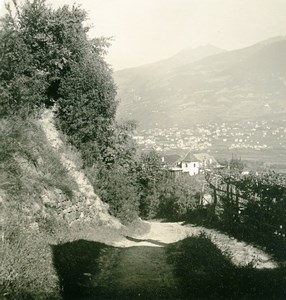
(159, 234)
(156, 265)
(240, 253)
(141, 269)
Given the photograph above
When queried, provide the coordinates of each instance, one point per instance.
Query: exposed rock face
(84, 205)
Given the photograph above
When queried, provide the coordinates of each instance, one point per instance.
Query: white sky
(148, 30)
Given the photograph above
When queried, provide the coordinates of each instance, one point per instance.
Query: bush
(179, 197)
(116, 187)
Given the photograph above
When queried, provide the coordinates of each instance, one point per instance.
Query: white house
(190, 164)
(206, 160)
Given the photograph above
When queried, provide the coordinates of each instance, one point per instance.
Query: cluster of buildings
(250, 135)
(163, 140)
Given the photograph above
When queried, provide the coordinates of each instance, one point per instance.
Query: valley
(260, 143)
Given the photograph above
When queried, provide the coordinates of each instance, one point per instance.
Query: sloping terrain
(97, 210)
(42, 171)
(45, 199)
(248, 83)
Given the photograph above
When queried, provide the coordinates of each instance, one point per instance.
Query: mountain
(206, 85)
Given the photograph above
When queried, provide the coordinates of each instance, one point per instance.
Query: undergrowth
(28, 170)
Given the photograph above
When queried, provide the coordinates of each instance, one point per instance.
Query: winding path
(159, 234)
(240, 253)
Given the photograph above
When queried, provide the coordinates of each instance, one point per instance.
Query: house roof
(203, 156)
(171, 159)
(190, 158)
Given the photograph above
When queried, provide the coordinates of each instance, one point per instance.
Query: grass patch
(274, 245)
(26, 270)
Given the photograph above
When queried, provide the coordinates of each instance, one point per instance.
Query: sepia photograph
(142, 149)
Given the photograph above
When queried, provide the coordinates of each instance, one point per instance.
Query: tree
(22, 84)
(47, 59)
(149, 174)
(236, 165)
(179, 197)
(116, 187)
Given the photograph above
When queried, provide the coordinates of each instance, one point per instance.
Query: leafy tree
(150, 169)
(162, 196)
(179, 197)
(119, 146)
(22, 84)
(47, 58)
(236, 165)
(116, 187)
(149, 173)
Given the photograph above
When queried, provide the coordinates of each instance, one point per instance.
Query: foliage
(179, 197)
(28, 168)
(266, 206)
(149, 176)
(86, 107)
(141, 185)
(23, 79)
(119, 147)
(47, 58)
(162, 196)
(26, 264)
(116, 188)
(236, 165)
(252, 207)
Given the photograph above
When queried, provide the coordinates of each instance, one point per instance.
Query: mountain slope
(45, 198)
(247, 83)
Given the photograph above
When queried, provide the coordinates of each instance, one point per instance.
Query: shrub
(179, 197)
(116, 187)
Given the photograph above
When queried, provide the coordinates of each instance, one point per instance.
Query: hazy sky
(148, 30)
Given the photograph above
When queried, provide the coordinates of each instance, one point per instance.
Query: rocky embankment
(85, 204)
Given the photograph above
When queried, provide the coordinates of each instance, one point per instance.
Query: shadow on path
(92, 270)
(193, 268)
(157, 243)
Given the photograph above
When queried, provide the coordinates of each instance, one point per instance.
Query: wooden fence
(231, 199)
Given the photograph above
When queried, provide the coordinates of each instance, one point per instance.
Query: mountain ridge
(192, 54)
(226, 86)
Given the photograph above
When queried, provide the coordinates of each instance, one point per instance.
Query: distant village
(205, 137)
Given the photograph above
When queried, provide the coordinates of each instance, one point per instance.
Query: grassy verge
(204, 273)
(274, 245)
